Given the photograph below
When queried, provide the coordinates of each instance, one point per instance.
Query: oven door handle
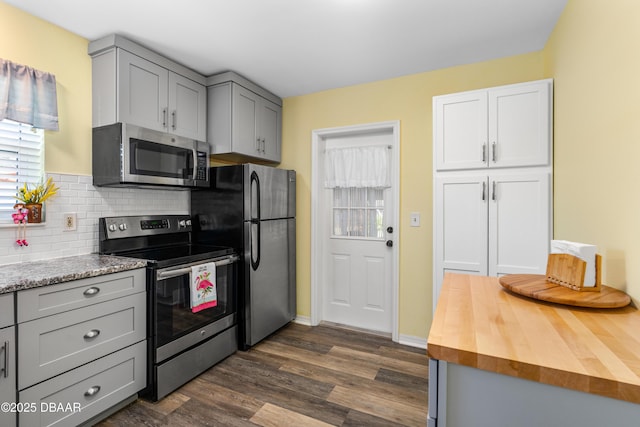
(168, 274)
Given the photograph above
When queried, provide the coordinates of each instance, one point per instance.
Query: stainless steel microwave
(128, 155)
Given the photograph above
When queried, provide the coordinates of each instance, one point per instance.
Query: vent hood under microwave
(126, 155)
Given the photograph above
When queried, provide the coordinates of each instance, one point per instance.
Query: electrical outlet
(70, 220)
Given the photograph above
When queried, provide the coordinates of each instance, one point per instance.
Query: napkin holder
(568, 271)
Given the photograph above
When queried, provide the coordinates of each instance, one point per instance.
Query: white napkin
(581, 250)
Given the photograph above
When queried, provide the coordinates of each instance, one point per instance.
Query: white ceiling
(295, 47)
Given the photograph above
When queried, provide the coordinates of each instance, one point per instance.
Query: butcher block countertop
(479, 324)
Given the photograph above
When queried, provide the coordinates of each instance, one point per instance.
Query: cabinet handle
(5, 369)
(164, 117)
(263, 145)
(493, 151)
(91, 291)
(173, 119)
(493, 196)
(484, 153)
(92, 334)
(258, 144)
(92, 391)
(484, 191)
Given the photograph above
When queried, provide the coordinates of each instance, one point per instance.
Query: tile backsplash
(78, 195)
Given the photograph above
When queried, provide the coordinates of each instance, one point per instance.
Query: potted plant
(34, 197)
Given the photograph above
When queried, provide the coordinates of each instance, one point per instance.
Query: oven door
(175, 326)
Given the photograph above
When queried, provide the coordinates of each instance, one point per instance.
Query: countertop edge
(614, 389)
(29, 275)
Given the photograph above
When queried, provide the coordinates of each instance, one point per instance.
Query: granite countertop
(26, 275)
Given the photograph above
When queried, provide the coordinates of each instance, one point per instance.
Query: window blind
(21, 160)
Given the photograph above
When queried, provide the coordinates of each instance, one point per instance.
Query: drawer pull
(91, 334)
(92, 391)
(91, 291)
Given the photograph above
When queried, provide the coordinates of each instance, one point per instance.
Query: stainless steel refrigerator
(252, 209)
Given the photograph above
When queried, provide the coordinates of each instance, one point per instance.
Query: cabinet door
(460, 130)
(187, 108)
(143, 87)
(270, 129)
(520, 125)
(460, 226)
(245, 114)
(519, 224)
(8, 373)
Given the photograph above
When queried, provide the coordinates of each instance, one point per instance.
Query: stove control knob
(188, 223)
(112, 227)
(123, 226)
(182, 223)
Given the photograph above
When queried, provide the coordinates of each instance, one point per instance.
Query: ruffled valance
(358, 167)
(28, 95)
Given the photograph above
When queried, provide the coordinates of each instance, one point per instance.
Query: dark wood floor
(301, 376)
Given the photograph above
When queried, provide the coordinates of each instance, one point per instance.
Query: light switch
(415, 219)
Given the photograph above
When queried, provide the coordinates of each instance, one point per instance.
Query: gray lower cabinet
(7, 373)
(52, 345)
(81, 346)
(81, 394)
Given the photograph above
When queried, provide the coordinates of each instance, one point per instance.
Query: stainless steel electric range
(182, 343)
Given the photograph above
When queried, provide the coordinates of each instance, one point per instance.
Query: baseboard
(413, 341)
(303, 320)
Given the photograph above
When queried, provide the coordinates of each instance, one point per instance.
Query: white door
(519, 224)
(357, 289)
(461, 209)
(356, 240)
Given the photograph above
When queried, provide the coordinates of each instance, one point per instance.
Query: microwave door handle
(194, 163)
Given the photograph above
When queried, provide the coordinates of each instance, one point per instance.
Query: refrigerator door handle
(255, 262)
(256, 179)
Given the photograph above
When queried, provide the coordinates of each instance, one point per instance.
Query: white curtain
(358, 167)
(28, 95)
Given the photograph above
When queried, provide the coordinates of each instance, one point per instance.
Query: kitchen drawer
(90, 389)
(47, 300)
(6, 310)
(55, 344)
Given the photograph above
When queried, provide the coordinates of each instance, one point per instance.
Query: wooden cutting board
(536, 286)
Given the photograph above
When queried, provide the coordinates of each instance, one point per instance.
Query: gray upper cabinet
(134, 85)
(245, 121)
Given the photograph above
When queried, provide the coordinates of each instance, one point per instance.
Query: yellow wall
(28, 40)
(593, 57)
(407, 99)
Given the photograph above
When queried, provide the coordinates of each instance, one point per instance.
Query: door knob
(389, 230)
(389, 243)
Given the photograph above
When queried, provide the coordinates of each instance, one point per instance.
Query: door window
(358, 212)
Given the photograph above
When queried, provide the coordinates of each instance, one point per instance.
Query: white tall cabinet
(492, 181)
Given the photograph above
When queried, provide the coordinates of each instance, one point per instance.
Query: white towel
(203, 287)
(581, 250)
